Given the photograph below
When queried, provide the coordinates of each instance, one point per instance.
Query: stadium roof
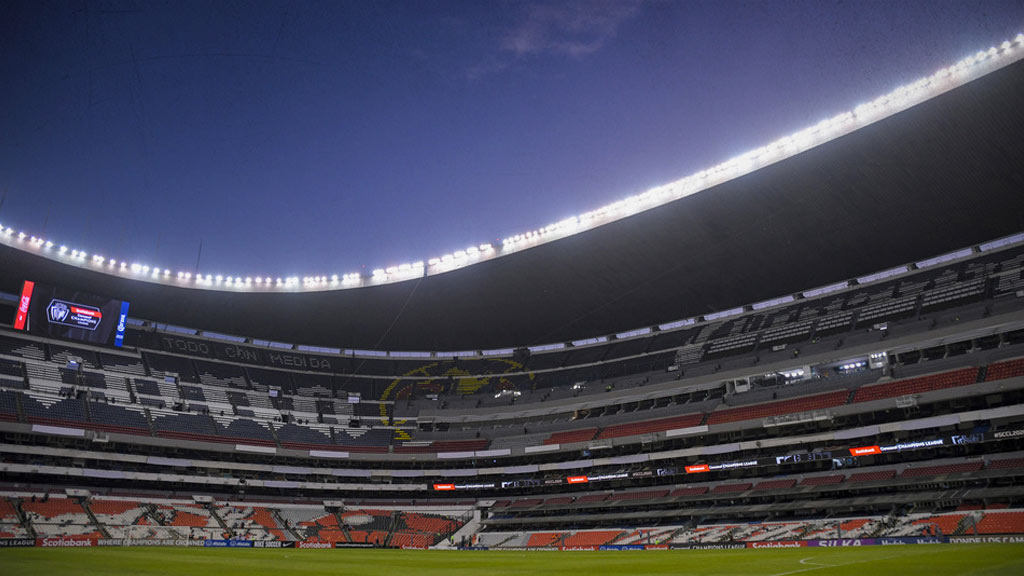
(943, 174)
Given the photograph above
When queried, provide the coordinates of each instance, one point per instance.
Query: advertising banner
(272, 544)
(1011, 539)
(227, 544)
(709, 546)
(779, 544)
(66, 542)
(921, 540)
(844, 542)
(17, 542)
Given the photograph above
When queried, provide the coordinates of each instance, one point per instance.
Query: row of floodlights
(824, 131)
(382, 274)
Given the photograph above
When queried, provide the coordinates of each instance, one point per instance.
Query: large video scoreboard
(71, 315)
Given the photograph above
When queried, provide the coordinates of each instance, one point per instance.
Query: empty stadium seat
(917, 385)
(755, 411)
(571, 436)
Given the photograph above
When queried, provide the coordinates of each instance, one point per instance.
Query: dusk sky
(300, 138)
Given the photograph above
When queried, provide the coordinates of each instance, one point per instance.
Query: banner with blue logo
(122, 320)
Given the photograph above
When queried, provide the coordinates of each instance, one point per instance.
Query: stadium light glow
(947, 78)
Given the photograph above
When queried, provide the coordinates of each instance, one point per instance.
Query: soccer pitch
(931, 560)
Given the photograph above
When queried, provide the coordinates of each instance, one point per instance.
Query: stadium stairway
(151, 515)
(94, 520)
(20, 408)
(220, 521)
(392, 527)
(467, 531)
(288, 532)
(343, 526)
(23, 519)
(149, 420)
(968, 522)
(85, 409)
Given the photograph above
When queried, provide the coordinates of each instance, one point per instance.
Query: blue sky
(298, 138)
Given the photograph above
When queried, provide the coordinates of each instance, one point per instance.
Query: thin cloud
(576, 29)
(485, 68)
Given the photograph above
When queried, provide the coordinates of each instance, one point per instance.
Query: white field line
(813, 566)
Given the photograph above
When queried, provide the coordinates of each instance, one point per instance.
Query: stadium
(676, 373)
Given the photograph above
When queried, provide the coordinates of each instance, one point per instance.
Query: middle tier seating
(650, 426)
(571, 436)
(804, 404)
(917, 385)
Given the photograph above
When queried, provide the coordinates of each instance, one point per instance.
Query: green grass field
(929, 560)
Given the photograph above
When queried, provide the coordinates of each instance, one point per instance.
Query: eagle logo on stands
(58, 311)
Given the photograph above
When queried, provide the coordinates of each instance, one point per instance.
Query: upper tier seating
(249, 430)
(8, 406)
(24, 348)
(61, 354)
(124, 364)
(46, 409)
(124, 419)
(147, 387)
(160, 365)
(300, 437)
(363, 439)
(180, 425)
(218, 374)
(12, 368)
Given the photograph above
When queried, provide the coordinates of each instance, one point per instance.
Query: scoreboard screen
(71, 315)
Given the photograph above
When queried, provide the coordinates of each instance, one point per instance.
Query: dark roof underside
(943, 175)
